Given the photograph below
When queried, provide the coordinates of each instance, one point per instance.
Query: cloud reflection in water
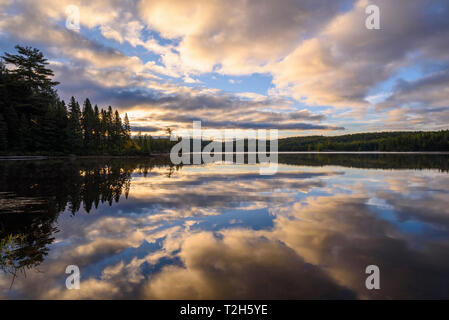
(214, 232)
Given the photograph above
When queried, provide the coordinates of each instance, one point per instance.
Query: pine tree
(74, 129)
(118, 132)
(97, 129)
(127, 127)
(62, 125)
(103, 131)
(88, 125)
(30, 95)
(31, 68)
(109, 129)
(31, 72)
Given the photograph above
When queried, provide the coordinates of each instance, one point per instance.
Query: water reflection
(145, 229)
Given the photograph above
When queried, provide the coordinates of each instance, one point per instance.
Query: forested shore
(377, 141)
(35, 121)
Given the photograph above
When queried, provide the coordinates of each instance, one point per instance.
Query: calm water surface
(143, 229)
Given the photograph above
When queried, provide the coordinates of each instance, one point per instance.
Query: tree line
(378, 141)
(34, 120)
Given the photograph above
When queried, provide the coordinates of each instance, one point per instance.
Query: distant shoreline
(47, 157)
(335, 152)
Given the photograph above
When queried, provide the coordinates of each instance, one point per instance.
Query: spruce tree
(62, 125)
(97, 129)
(103, 131)
(118, 132)
(88, 124)
(109, 130)
(127, 127)
(74, 129)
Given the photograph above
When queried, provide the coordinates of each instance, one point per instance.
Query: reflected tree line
(370, 161)
(34, 193)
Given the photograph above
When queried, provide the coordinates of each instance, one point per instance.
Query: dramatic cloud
(345, 61)
(236, 36)
(421, 102)
(171, 60)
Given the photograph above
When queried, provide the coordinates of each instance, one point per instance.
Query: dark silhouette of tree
(117, 134)
(88, 122)
(74, 129)
(378, 141)
(31, 69)
(28, 215)
(97, 129)
(3, 134)
(127, 127)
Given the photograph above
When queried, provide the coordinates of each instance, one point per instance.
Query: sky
(304, 67)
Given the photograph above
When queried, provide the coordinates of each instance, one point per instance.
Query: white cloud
(317, 51)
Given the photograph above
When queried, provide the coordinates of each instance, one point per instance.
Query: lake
(143, 229)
